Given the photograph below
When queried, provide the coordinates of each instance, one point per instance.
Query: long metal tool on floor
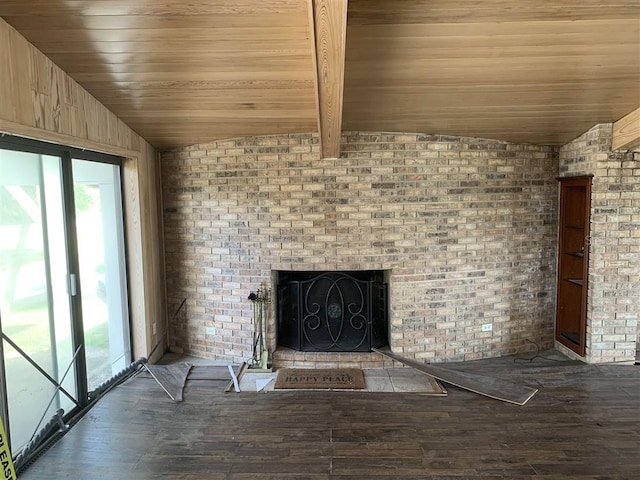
(235, 377)
(488, 386)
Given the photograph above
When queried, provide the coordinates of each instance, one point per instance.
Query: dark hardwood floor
(584, 423)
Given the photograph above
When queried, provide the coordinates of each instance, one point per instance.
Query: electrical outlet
(210, 330)
(153, 328)
(487, 327)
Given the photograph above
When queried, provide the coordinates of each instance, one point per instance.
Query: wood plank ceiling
(181, 73)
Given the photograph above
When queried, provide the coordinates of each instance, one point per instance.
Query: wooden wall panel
(38, 100)
(6, 105)
(153, 257)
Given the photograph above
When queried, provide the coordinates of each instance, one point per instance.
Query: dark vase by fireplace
(332, 311)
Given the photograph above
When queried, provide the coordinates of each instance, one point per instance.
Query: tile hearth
(391, 380)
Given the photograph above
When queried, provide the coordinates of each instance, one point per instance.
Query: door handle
(73, 286)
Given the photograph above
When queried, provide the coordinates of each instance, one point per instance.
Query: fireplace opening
(330, 311)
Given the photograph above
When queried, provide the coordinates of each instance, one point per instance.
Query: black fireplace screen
(332, 311)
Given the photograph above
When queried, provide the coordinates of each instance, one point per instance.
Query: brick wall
(613, 307)
(466, 228)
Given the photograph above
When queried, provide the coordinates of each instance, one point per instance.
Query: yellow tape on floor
(9, 473)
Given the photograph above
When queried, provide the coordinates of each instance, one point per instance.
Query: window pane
(34, 300)
(102, 269)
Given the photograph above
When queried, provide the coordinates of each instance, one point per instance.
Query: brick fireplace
(331, 311)
(465, 229)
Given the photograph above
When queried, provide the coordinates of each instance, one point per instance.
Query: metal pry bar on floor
(234, 379)
(235, 376)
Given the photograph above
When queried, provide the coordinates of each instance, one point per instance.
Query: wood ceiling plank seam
(151, 22)
(152, 7)
(497, 27)
(423, 11)
(221, 34)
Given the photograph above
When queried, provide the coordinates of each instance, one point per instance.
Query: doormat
(320, 379)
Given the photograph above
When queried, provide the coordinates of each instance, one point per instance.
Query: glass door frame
(66, 155)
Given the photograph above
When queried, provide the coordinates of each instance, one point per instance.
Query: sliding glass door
(35, 308)
(99, 229)
(63, 302)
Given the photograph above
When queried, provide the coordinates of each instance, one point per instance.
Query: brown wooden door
(573, 260)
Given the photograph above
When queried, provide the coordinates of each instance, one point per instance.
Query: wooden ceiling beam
(626, 132)
(328, 24)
